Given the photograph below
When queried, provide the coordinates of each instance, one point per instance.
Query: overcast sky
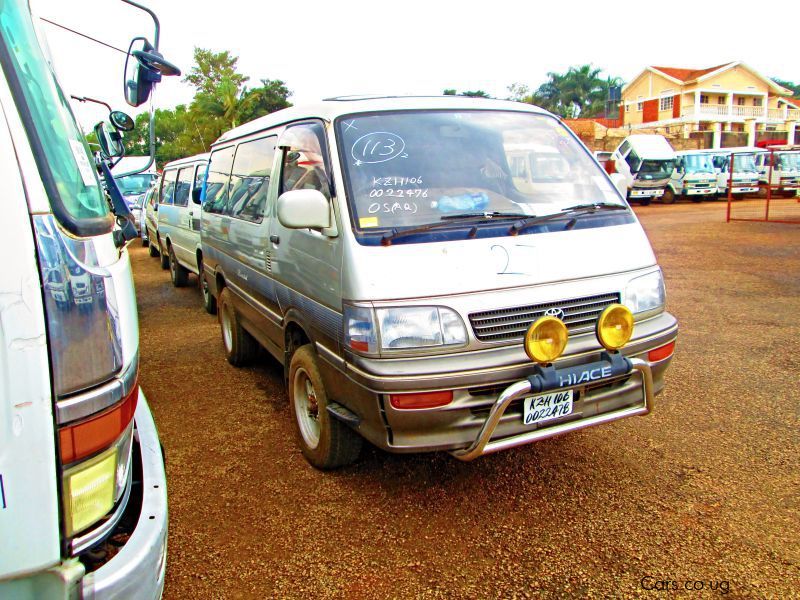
(329, 48)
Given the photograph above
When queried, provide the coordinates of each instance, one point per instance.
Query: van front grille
(508, 324)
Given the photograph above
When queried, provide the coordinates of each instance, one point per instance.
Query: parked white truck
(83, 500)
(779, 167)
(646, 162)
(693, 177)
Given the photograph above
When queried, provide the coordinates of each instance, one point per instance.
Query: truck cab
(779, 168)
(693, 177)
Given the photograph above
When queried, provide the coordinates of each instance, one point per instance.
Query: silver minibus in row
(434, 274)
(178, 224)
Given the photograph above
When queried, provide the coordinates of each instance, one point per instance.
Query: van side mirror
(618, 179)
(144, 67)
(110, 141)
(301, 209)
(196, 193)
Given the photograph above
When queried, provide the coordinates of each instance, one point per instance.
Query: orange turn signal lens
(661, 353)
(421, 400)
(87, 437)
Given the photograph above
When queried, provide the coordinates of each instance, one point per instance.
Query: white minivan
(647, 163)
(179, 217)
(434, 274)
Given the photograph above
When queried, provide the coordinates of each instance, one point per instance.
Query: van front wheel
(325, 442)
(240, 346)
(668, 197)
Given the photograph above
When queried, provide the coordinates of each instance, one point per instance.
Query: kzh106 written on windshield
(407, 169)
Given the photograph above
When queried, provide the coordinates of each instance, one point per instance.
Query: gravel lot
(703, 491)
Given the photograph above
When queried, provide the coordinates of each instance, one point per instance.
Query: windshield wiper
(570, 210)
(448, 220)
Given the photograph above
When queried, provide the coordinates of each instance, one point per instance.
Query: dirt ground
(702, 494)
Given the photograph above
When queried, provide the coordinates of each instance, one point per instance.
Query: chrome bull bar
(484, 445)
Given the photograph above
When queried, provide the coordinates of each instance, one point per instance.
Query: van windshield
(698, 163)
(135, 184)
(64, 163)
(744, 162)
(412, 168)
(658, 169)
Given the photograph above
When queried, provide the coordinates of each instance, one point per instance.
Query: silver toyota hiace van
(437, 273)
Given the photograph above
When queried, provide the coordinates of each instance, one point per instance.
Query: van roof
(651, 146)
(331, 108)
(717, 151)
(133, 163)
(187, 160)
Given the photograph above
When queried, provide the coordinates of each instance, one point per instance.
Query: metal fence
(778, 200)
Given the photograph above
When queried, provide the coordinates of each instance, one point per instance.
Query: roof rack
(357, 97)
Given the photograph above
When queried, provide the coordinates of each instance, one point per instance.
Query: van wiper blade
(488, 215)
(595, 206)
(578, 208)
(448, 220)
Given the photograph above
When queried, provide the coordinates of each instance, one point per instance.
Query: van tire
(240, 346)
(668, 197)
(209, 301)
(153, 251)
(178, 273)
(164, 256)
(145, 243)
(326, 442)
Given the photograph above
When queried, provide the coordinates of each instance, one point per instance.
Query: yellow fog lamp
(615, 327)
(546, 339)
(89, 491)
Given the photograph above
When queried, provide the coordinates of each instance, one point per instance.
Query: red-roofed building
(725, 99)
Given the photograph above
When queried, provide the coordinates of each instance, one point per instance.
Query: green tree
(213, 68)
(581, 91)
(221, 102)
(795, 87)
(472, 94)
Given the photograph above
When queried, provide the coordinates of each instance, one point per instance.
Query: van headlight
(646, 293)
(406, 328)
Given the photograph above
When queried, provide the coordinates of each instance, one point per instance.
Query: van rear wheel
(152, 250)
(164, 256)
(178, 273)
(325, 442)
(209, 301)
(240, 346)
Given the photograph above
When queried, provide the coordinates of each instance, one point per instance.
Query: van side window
(219, 172)
(168, 186)
(200, 175)
(633, 160)
(304, 166)
(184, 186)
(250, 177)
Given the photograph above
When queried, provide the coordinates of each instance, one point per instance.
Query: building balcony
(737, 113)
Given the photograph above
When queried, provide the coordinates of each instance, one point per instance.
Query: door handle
(275, 239)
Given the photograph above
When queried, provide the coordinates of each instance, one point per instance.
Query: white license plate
(547, 406)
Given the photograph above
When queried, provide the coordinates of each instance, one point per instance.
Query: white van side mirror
(619, 181)
(300, 209)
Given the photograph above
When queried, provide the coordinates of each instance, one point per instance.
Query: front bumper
(137, 571)
(646, 192)
(476, 380)
(700, 191)
(548, 380)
